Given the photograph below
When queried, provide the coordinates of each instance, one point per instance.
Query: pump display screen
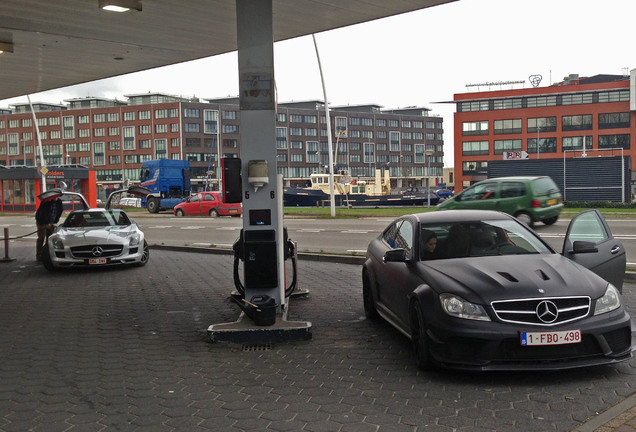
(261, 217)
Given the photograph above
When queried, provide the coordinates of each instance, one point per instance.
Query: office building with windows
(115, 137)
(578, 117)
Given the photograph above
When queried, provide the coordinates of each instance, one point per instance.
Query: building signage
(515, 155)
(55, 174)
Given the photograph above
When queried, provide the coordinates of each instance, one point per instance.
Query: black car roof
(442, 216)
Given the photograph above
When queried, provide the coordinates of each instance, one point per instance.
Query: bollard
(6, 247)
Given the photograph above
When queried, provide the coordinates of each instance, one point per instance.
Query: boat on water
(351, 192)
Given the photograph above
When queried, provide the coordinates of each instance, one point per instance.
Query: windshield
(100, 219)
(479, 238)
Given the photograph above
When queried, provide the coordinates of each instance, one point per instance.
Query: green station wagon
(529, 199)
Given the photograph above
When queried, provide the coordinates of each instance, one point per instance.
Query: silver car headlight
(611, 300)
(458, 307)
(58, 243)
(134, 239)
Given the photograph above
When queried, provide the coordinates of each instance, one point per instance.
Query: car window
(404, 238)
(195, 198)
(119, 217)
(512, 189)
(479, 192)
(544, 186)
(208, 197)
(588, 227)
(390, 234)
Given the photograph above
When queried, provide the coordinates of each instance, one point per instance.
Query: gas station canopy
(52, 44)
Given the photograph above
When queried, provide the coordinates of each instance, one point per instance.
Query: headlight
(460, 308)
(58, 244)
(134, 240)
(611, 300)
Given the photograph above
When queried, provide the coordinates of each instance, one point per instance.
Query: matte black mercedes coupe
(492, 295)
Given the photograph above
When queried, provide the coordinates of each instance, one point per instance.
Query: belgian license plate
(97, 261)
(552, 201)
(551, 338)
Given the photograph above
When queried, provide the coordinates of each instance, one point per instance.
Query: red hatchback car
(207, 203)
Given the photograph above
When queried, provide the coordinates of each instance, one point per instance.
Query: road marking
(193, 227)
(355, 232)
(201, 244)
(310, 230)
(229, 228)
(357, 250)
(160, 226)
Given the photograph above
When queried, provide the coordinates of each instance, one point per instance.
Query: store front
(20, 186)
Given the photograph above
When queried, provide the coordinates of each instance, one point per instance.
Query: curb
(305, 256)
(607, 416)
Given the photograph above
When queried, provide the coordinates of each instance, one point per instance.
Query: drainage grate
(259, 347)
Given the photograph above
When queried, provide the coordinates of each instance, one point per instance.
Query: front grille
(96, 251)
(545, 311)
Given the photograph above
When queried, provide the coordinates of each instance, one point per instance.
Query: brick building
(114, 137)
(578, 117)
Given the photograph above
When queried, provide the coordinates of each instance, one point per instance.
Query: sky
(415, 59)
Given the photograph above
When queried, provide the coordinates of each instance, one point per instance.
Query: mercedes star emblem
(547, 311)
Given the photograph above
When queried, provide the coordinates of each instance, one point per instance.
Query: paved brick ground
(126, 349)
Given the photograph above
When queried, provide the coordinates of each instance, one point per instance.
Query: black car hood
(484, 279)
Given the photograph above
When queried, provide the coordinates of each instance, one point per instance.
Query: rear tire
(525, 218)
(214, 213)
(550, 221)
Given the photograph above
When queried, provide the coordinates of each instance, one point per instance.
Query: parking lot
(127, 349)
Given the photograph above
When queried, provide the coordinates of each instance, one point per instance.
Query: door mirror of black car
(395, 255)
(581, 246)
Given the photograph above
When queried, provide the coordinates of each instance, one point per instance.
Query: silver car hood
(104, 235)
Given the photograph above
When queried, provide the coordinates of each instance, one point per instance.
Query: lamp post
(429, 153)
(538, 140)
(68, 157)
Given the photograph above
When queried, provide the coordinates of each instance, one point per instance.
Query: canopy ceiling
(61, 43)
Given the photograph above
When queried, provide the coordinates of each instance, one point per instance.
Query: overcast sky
(415, 59)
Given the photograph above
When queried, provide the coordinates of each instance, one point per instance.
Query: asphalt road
(337, 236)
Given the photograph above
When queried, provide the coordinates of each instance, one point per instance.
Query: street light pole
(538, 131)
(428, 153)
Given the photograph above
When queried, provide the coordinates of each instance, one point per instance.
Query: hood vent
(508, 276)
(542, 275)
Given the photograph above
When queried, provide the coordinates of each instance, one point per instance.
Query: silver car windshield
(112, 217)
(479, 238)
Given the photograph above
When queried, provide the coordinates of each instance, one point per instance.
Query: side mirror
(581, 246)
(395, 255)
(62, 185)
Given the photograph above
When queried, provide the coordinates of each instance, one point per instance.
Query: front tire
(152, 205)
(145, 255)
(419, 338)
(179, 213)
(370, 310)
(47, 262)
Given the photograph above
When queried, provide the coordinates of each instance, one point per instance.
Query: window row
(544, 101)
(547, 124)
(546, 144)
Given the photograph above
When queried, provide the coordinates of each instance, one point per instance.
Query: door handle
(615, 250)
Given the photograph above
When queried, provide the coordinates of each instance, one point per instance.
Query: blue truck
(168, 181)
